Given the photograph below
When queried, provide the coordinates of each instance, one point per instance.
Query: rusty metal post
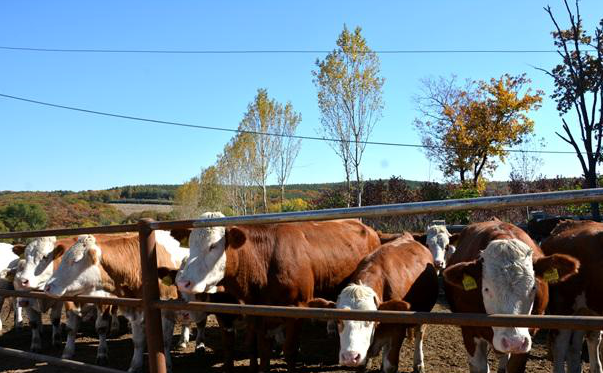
(150, 288)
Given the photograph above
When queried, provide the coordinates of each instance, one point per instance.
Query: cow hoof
(200, 350)
(102, 360)
(418, 369)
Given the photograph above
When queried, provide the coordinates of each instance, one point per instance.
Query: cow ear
(464, 275)
(556, 268)
(59, 250)
(454, 238)
(394, 305)
(422, 238)
(167, 275)
(320, 303)
(19, 249)
(235, 237)
(93, 256)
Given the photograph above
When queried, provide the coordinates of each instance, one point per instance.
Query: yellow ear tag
(551, 275)
(469, 283)
(166, 280)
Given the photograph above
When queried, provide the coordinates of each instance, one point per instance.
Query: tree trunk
(358, 186)
(592, 182)
(264, 198)
(282, 196)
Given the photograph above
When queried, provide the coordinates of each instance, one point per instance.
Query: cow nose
(24, 281)
(47, 288)
(516, 345)
(184, 285)
(350, 358)
(439, 264)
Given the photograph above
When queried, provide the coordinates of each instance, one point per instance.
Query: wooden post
(150, 288)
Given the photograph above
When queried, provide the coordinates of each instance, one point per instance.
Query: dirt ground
(443, 347)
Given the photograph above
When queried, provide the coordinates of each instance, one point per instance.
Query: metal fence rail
(151, 303)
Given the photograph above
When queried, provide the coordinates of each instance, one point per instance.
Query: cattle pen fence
(152, 305)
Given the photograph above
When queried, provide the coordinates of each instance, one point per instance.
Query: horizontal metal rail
(83, 299)
(76, 365)
(428, 207)
(440, 318)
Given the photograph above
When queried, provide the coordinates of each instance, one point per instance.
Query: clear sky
(50, 149)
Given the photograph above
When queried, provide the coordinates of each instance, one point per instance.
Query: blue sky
(50, 149)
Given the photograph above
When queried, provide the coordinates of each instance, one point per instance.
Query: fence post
(150, 288)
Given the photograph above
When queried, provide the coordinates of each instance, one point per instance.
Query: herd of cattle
(490, 267)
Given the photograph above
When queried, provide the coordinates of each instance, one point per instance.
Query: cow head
(37, 265)
(508, 279)
(79, 271)
(206, 266)
(439, 241)
(356, 337)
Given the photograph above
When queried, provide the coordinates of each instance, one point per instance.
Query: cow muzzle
(516, 343)
(351, 358)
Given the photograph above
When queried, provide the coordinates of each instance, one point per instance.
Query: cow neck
(120, 267)
(373, 280)
(246, 271)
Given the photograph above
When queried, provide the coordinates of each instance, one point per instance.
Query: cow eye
(486, 290)
(212, 246)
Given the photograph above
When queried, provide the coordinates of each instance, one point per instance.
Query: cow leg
(226, 323)
(18, 315)
(561, 345)
(35, 322)
(503, 361)
(167, 326)
(593, 339)
(418, 366)
(115, 327)
(185, 336)
(574, 352)
(55, 319)
(252, 343)
(200, 338)
(291, 346)
(263, 345)
(391, 352)
(138, 338)
(73, 323)
(102, 325)
(478, 362)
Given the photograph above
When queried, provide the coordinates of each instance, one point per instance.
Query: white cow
(439, 243)
(41, 258)
(112, 268)
(8, 266)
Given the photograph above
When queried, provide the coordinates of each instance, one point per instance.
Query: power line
(276, 51)
(213, 128)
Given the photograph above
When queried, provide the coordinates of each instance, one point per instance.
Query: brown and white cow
(401, 276)
(9, 261)
(41, 258)
(498, 269)
(112, 268)
(277, 264)
(579, 295)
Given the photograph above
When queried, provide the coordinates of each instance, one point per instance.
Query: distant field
(131, 208)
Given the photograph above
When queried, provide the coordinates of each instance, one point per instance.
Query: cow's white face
(355, 337)
(206, 266)
(36, 267)
(79, 272)
(508, 287)
(438, 242)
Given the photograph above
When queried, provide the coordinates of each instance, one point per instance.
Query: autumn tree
(21, 216)
(286, 147)
(235, 170)
(266, 115)
(579, 90)
(526, 163)
(350, 100)
(466, 129)
(186, 200)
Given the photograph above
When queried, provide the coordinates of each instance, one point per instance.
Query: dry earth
(132, 208)
(444, 351)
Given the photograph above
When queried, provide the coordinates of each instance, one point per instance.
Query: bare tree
(350, 100)
(579, 88)
(286, 147)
